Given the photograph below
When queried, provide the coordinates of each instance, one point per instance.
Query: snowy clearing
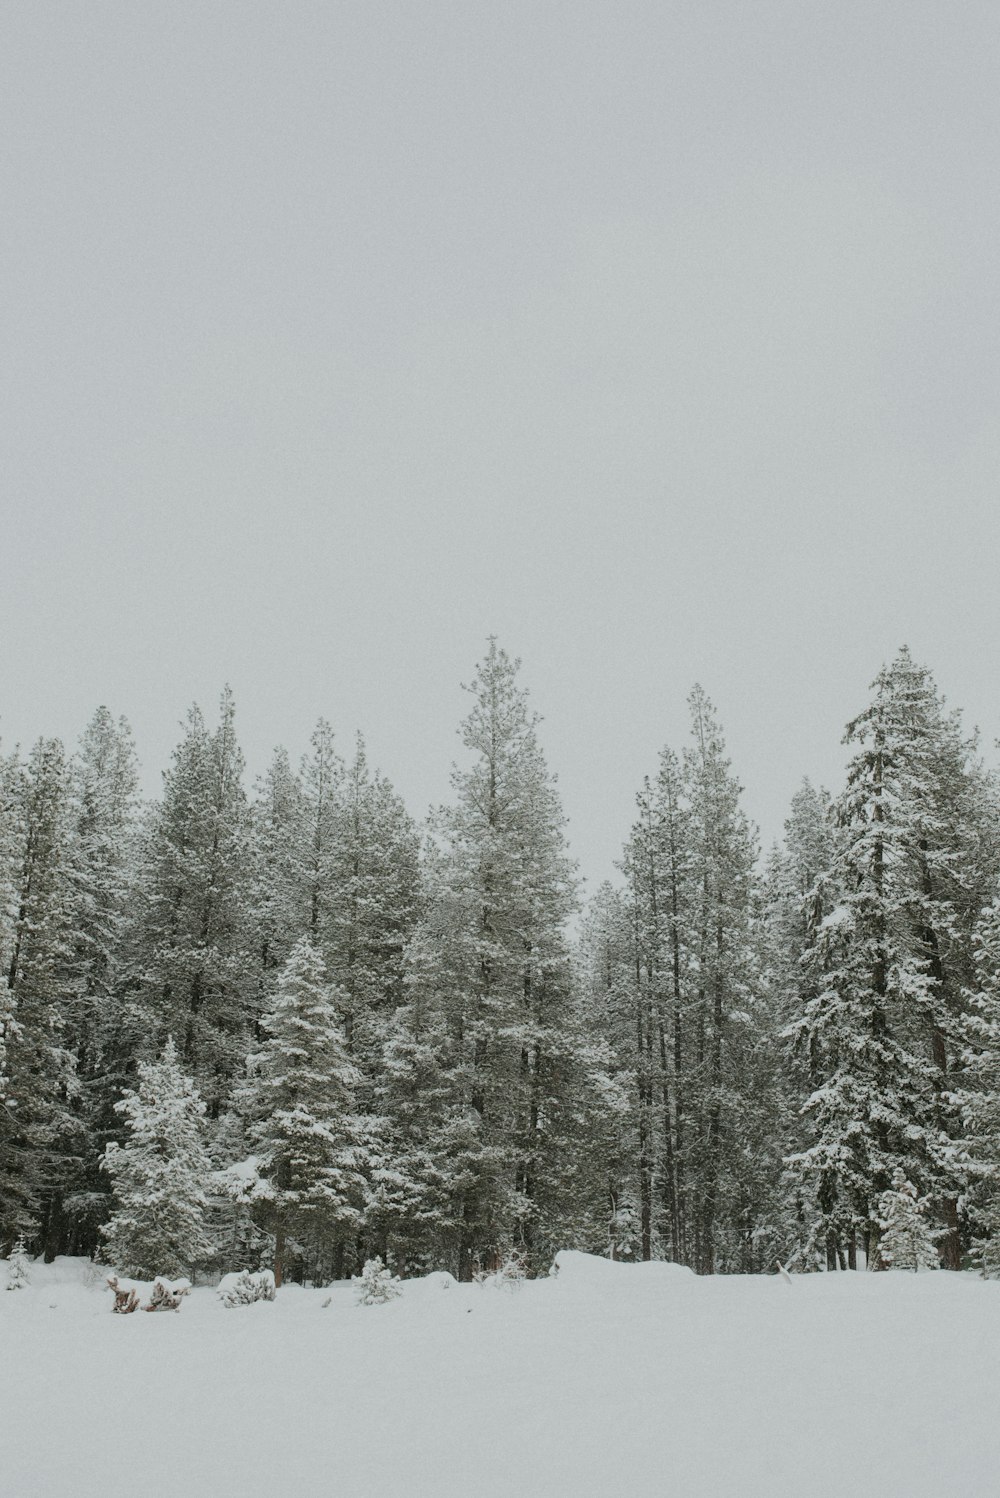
(607, 1379)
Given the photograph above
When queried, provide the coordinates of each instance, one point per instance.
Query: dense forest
(292, 1027)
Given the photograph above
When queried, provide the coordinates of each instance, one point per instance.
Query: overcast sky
(659, 339)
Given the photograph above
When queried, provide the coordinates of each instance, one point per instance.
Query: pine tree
(12, 808)
(905, 1241)
(722, 858)
(682, 965)
(277, 885)
(17, 1272)
(322, 784)
(890, 961)
(376, 899)
(102, 1033)
(423, 1121)
(491, 974)
(657, 865)
(374, 877)
(191, 963)
(40, 1140)
(299, 1105)
(798, 893)
(359, 856)
(607, 984)
(377, 1285)
(979, 1092)
(160, 1175)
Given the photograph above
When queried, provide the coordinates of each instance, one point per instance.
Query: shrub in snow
(906, 1241)
(244, 1288)
(166, 1295)
(377, 1284)
(126, 1296)
(509, 1274)
(18, 1275)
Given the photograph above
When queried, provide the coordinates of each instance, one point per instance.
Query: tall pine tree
(891, 963)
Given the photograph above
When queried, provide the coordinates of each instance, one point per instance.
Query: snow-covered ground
(607, 1379)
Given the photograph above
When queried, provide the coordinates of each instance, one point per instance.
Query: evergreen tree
(979, 1093)
(359, 855)
(656, 867)
(40, 1140)
(310, 1190)
(160, 1175)
(890, 961)
(190, 956)
(377, 1285)
(102, 1034)
(905, 1241)
(422, 1128)
(376, 900)
(721, 869)
(490, 963)
(677, 969)
(12, 808)
(17, 1272)
(697, 1021)
(608, 963)
(322, 784)
(276, 892)
(798, 894)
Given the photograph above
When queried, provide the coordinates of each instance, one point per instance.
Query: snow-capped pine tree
(608, 989)
(17, 1271)
(696, 1020)
(979, 1094)
(276, 893)
(491, 976)
(40, 1140)
(724, 1010)
(414, 1167)
(905, 1241)
(160, 1175)
(322, 778)
(362, 854)
(890, 963)
(377, 1285)
(798, 892)
(647, 1028)
(11, 833)
(358, 854)
(300, 1121)
(102, 1032)
(191, 966)
(376, 893)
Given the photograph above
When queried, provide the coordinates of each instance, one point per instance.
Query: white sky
(660, 339)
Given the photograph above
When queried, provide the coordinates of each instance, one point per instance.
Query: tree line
(294, 1028)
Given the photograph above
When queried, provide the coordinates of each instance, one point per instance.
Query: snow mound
(430, 1285)
(588, 1269)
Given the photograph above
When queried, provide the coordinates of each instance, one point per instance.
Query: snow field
(607, 1379)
